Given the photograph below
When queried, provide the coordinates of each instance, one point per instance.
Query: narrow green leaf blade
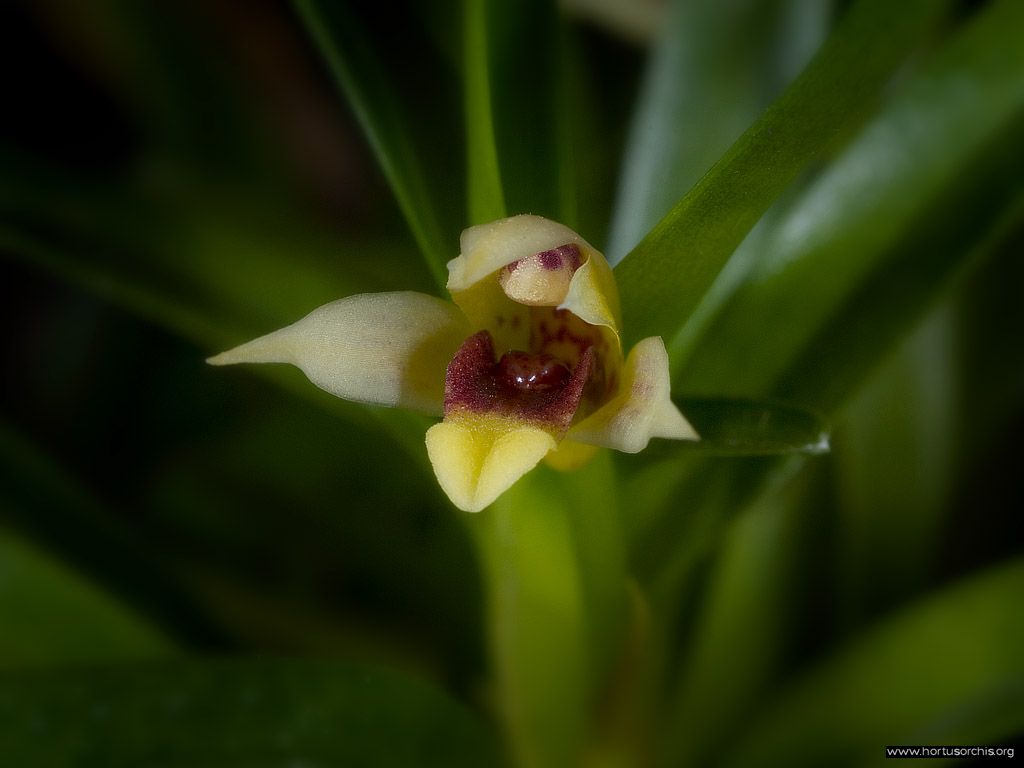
(363, 81)
(894, 468)
(52, 615)
(738, 427)
(710, 74)
(141, 276)
(48, 504)
(664, 277)
(916, 679)
(236, 713)
(735, 643)
(928, 187)
(486, 196)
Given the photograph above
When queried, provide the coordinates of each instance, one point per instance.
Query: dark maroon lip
(531, 387)
(534, 372)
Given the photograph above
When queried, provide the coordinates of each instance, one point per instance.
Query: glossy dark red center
(534, 373)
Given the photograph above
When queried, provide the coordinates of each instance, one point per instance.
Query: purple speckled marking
(556, 258)
(475, 382)
(568, 254)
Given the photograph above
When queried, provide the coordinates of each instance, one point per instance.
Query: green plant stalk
(553, 564)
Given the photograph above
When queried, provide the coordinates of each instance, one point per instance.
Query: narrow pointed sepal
(643, 408)
(478, 458)
(381, 348)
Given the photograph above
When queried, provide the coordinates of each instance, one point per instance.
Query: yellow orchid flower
(526, 364)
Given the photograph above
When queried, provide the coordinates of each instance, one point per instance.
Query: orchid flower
(527, 363)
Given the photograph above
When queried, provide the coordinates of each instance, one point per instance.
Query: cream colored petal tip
(642, 409)
(593, 295)
(380, 348)
(486, 248)
(476, 459)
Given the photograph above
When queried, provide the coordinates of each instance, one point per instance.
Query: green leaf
(52, 615)
(880, 233)
(894, 464)
(537, 105)
(486, 195)
(48, 503)
(155, 266)
(734, 643)
(989, 356)
(236, 713)
(924, 676)
(710, 75)
(926, 194)
(894, 298)
(363, 80)
(737, 427)
(664, 277)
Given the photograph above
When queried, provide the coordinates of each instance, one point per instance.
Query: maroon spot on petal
(533, 388)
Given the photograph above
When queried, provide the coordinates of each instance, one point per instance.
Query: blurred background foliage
(819, 205)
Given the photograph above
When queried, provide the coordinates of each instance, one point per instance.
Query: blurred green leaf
(49, 504)
(112, 285)
(182, 272)
(300, 540)
(894, 463)
(893, 300)
(990, 356)
(919, 223)
(52, 615)
(914, 679)
(486, 196)
(737, 427)
(664, 277)
(738, 633)
(879, 234)
(365, 85)
(531, 58)
(247, 262)
(236, 713)
(714, 67)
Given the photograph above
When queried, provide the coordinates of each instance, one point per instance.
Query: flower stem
(553, 562)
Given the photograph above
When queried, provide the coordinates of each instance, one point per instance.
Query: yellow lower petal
(477, 458)
(570, 456)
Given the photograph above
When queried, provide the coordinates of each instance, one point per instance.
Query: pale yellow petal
(473, 278)
(593, 295)
(643, 407)
(477, 458)
(570, 456)
(379, 348)
(486, 248)
(541, 280)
